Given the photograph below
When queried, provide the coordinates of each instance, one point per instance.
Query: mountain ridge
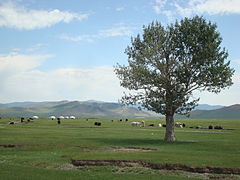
(228, 112)
(99, 109)
(82, 109)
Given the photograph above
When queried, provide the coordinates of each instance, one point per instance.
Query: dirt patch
(9, 145)
(133, 149)
(116, 149)
(182, 167)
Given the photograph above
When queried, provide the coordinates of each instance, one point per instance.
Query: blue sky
(66, 50)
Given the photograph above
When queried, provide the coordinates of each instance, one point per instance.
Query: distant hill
(99, 109)
(27, 103)
(88, 109)
(208, 107)
(229, 112)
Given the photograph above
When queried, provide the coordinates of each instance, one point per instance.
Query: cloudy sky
(66, 50)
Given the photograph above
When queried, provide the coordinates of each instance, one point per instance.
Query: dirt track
(182, 167)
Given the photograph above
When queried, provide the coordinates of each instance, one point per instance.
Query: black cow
(97, 124)
(22, 119)
(218, 127)
(58, 120)
(210, 127)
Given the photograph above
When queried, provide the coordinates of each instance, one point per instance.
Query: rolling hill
(229, 112)
(208, 107)
(99, 109)
(76, 108)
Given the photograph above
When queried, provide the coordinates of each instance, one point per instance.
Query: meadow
(42, 149)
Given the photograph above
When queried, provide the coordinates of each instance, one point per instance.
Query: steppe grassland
(45, 149)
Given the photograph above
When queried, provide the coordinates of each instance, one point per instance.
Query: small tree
(168, 63)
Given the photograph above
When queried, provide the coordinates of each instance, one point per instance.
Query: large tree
(166, 64)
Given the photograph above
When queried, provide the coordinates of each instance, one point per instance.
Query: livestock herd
(141, 123)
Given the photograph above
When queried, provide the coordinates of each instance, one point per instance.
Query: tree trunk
(169, 133)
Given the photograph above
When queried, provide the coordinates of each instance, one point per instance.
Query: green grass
(45, 149)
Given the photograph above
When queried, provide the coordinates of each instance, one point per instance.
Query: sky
(66, 50)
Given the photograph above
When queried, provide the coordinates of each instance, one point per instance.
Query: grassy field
(44, 149)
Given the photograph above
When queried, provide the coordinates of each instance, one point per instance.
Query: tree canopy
(167, 64)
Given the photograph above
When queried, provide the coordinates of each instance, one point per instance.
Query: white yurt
(52, 117)
(72, 117)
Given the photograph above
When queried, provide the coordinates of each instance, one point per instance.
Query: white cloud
(116, 31)
(159, 5)
(22, 81)
(111, 32)
(14, 63)
(35, 47)
(225, 97)
(19, 17)
(120, 9)
(89, 38)
(238, 61)
(190, 7)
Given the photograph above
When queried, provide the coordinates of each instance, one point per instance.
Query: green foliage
(166, 64)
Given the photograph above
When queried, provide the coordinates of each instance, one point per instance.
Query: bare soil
(182, 167)
(9, 145)
(118, 149)
(134, 149)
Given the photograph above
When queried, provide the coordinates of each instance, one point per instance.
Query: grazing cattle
(126, 120)
(210, 127)
(151, 125)
(22, 119)
(120, 120)
(218, 127)
(135, 123)
(179, 125)
(199, 127)
(59, 120)
(143, 123)
(112, 120)
(159, 125)
(164, 125)
(14, 122)
(30, 119)
(97, 124)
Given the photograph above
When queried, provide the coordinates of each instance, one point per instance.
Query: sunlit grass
(44, 148)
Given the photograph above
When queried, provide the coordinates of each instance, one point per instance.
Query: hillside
(208, 107)
(229, 112)
(79, 109)
(98, 109)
